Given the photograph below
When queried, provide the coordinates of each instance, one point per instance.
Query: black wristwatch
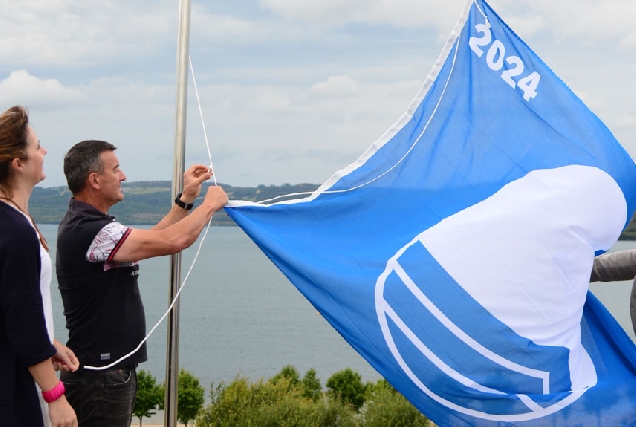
(182, 204)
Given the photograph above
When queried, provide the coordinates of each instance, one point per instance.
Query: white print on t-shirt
(105, 245)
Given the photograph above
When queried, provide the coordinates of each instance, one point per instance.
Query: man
(97, 274)
(617, 266)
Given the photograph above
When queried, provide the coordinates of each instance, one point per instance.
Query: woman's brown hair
(14, 125)
(13, 143)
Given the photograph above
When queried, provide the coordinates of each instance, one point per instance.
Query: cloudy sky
(291, 90)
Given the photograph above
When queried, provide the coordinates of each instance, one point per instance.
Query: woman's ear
(17, 164)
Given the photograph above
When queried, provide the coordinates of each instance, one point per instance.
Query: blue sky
(291, 90)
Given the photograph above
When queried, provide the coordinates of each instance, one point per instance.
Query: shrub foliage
(286, 400)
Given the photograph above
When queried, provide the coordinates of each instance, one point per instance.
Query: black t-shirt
(102, 304)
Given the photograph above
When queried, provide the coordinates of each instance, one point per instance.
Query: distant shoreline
(146, 202)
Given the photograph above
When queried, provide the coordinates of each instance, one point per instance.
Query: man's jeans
(102, 398)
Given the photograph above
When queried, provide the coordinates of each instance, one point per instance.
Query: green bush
(286, 401)
(275, 403)
(312, 389)
(290, 374)
(347, 387)
(385, 407)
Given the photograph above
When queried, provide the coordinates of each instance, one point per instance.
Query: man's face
(111, 178)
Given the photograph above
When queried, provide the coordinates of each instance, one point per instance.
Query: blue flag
(455, 254)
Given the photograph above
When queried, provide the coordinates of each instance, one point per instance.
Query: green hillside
(146, 202)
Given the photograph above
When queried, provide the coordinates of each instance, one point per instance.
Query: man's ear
(93, 181)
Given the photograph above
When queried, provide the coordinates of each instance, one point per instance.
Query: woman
(27, 352)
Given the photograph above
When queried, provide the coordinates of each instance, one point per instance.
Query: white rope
(482, 12)
(282, 196)
(205, 133)
(416, 141)
(432, 116)
(279, 197)
(176, 297)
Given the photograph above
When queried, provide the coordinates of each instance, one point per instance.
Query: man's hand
(216, 196)
(64, 360)
(192, 180)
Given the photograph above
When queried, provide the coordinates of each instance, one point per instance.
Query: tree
(190, 397)
(290, 374)
(386, 407)
(311, 386)
(271, 404)
(149, 396)
(347, 386)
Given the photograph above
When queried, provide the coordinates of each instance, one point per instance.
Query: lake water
(240, 316)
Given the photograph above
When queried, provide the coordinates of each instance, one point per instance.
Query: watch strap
(182, 204)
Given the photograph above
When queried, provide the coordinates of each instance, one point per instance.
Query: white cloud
(218, 28)
(627, 121)
(295, 119)
(406, 13)
(527, 25)
(335, 87)
(24, 89)
(628, 43)
(589, 20)
(611, 19)
(76, 32)
(292, 91)
(322, 11)
(268, 100)
(583, 21)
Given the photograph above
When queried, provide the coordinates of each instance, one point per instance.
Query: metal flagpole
(172, 351)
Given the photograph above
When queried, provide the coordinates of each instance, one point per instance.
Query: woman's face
(34, 165)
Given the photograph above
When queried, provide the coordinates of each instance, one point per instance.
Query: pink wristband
(55, 393)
